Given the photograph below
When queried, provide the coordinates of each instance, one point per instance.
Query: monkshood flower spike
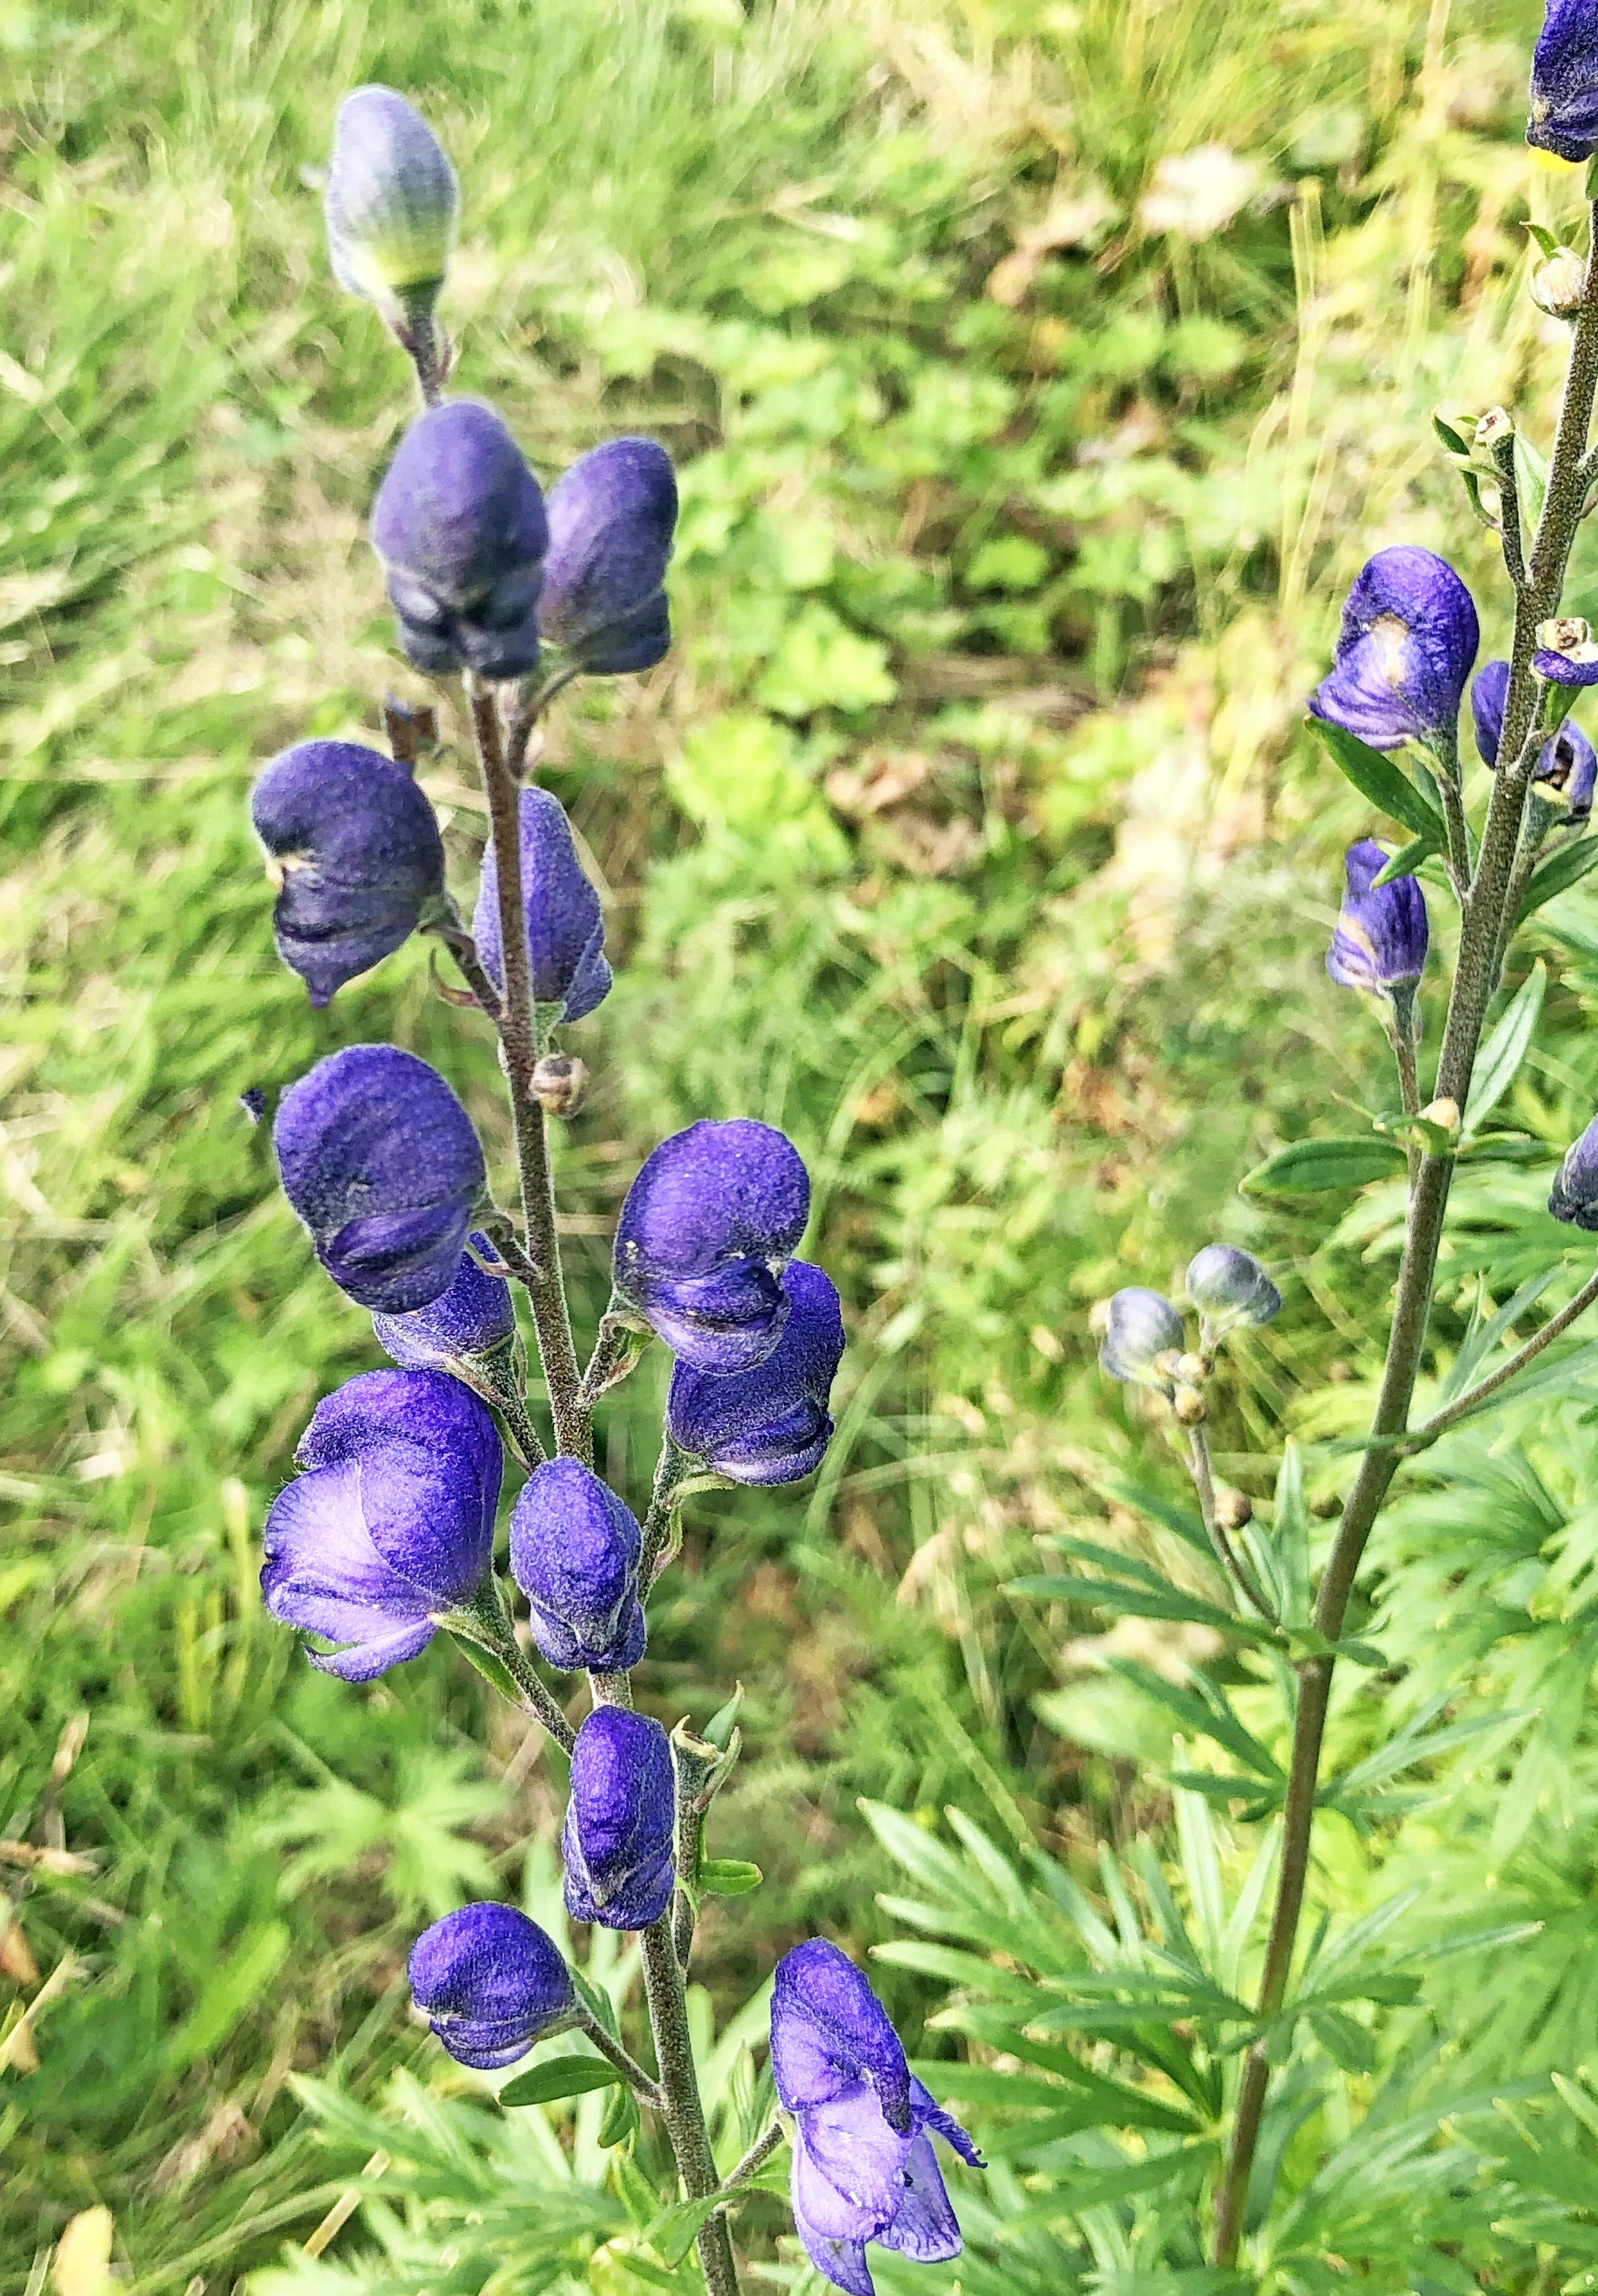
(864, 2168)
(460, 529)
(1141, 1327)
(490, 1983)
(380, 1160)
(575, 1553)
(1230, 1290)
(1566, 772)
(705, 1231)
(1408, 638)
(617, 1842)
(1381, 934)
(770, 1424)
(1574, 1198)
(565, 932)
(392, 1523)
(1564, 82)
(391, 205)
(356, 854)
(611, 517)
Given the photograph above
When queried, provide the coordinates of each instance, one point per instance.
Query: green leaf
(1139, 1602)
(619, 2119)
(1561, 870)
(1498, 1062)
(1344, 2039)
(673, 2234)
(1384, 783)
(1407, 859)
(561, 2077)
(1531, 480)
(1453, 442)
(728, 1877)
(492, 1669)
(1290, 1537)
(1312, 1168)
(229, 1993)
(1177, 1520)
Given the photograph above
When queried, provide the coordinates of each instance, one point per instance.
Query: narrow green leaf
(1482, 1337)
(492, 1669)
(1531, 480)
(1289, 1536)
(1498, 1062)
(1186, 1526)
(1453, 442)
(1138, 1602)
(620, 2120)
(1407, 859)
(673, 2234)
(1561, 870)
(728, 1877)
(561, 2077)
(1312, 1167)
(1379, 779)
(1344, 2039)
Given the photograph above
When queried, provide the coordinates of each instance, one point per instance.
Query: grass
(969, 833)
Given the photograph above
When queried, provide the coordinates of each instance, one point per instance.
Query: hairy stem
(1555, 1328)
(519, 1049)
(755, 2158)
(1475, 978)
(1245, 1588)
(637, 2080)
(684, 2112)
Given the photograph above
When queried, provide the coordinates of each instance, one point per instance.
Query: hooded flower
(459, 526)
(1564, 82)
(1381, 933)
(617, 1843)
(864, 2167)
(379, 1160)
(473, 1318)
(1142, 1327)
(704, 1236)
(1408, 639)
(1230, 1288)
(565, 933)
(575, 1553)
(391, 202)
(490, 1983)
(770, 1424)
(393, 1521)
(1568, 768)
(1574, 1198)
(611, 522)
(357, 855)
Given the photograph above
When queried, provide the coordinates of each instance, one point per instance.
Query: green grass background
(969, 833)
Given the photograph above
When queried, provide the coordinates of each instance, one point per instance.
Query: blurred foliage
(1039, 376)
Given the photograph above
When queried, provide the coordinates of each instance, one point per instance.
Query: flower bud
(1557, 283)
(575, 1553)
(611, 517)
(1192, 1368)
(704, 1236)
(1564, 82)
(617, 1843)
(380, 1160)
(1566, 771)
(473, 1320)
(1408, 638)
(1234, 1509)
(459, 527)
(770, 1424)
(357, 858)
(490, 1983)
(1381, 935)
(1190, 1405)
(1142, 1328)
(1489, 690)
(1442, 1112)
(393, 1522)
(1566, 654)
(560, 1084)
(1574, 1197)
(1230, 1288)
(391, 205)
(565, 932)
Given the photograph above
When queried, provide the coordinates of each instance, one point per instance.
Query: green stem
(519, 1046)
(1430, 1429)
(684, 2112)
(754, 2160)
(1245, 1588)
(1475, 978)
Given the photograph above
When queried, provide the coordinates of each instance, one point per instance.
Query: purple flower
(620, 1822)
(1579, 668)
(1408, 639)
(1574, 1198)
(1564, 82)
(1142, 1327)
(473, 1318)
(393, 1522)
(391, 202)
(1381, 932)
(379, 1160)
(565, 933)
(611, 521)
(863, 2164)
(1568, 768)
(459, 526)
(770, 1424)
(358, 855)
(490, 1983)
(1229, 1287)
(575, 1553)
(704, 1235)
